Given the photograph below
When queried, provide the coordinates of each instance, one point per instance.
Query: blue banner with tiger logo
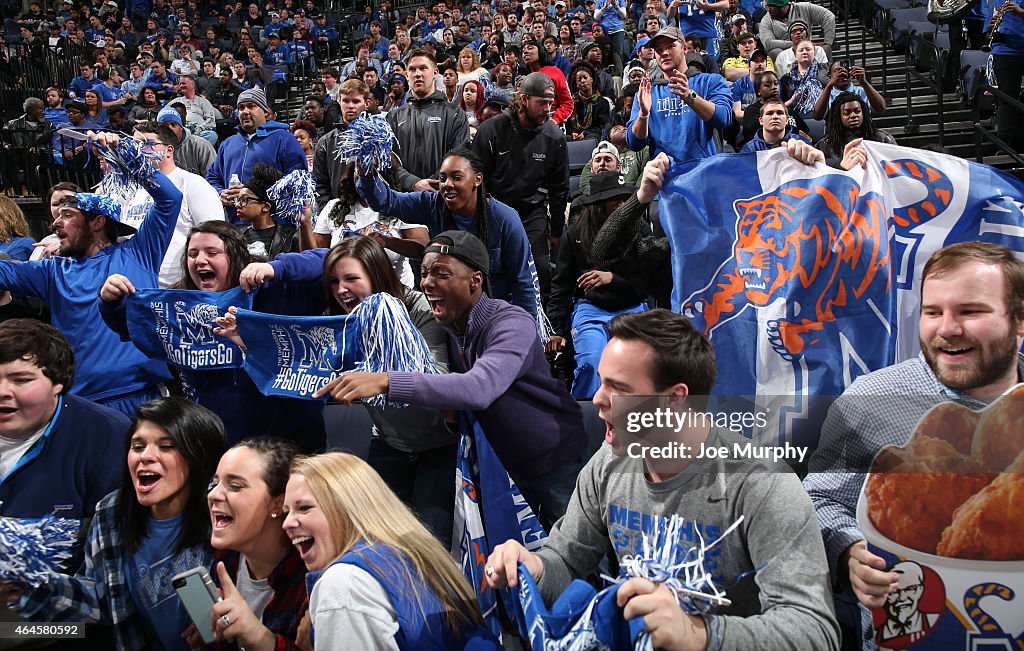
(177, 325)
(296, 356)
(805, 278)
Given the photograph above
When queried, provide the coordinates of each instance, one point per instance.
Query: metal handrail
(939, 67)
(981, 131)
(884, 38)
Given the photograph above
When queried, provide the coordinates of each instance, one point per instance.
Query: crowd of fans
(475, 229)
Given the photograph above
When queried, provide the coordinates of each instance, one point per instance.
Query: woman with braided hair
(463, 204)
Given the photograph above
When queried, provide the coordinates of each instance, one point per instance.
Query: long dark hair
(588, 222)
(373, 258)
(235, 248)
(483, 211)
(198, 435)
(346, 189)
(835, 132)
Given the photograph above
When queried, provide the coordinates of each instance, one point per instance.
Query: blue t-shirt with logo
(150, 570)
(743, 91)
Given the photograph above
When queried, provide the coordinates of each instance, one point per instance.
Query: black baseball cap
(464, 246)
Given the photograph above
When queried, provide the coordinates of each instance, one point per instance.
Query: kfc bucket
(946, 512)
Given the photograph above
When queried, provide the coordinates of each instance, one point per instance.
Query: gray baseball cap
(537, 84)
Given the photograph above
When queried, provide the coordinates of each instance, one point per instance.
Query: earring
(273, 515)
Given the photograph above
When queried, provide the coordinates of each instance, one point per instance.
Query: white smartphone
(197, 592)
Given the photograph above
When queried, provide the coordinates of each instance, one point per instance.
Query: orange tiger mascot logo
(820, 249)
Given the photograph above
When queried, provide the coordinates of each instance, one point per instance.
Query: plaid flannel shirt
(98, 592)
(288, 604)
(879, 409)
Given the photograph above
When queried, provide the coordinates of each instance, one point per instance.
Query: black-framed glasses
(242, 200)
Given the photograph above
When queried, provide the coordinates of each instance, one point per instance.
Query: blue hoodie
(760, 144)
(272, 144)
(105, 366)
(674, 128)
(507, 244)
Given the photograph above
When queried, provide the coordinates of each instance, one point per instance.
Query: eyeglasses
(149, 146)
(243, 200)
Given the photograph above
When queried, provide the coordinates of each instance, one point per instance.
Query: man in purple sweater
(498, 371)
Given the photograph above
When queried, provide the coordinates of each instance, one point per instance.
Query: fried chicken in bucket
(949, 490)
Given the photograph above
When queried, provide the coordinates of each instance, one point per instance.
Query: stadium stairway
(913, 115)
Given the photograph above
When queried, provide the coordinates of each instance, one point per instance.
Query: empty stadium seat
(972, 71)
(574, 186)
(815, 129)
(899, 24)
(579, 154)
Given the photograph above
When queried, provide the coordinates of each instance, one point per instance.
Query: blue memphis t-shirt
(149, 571)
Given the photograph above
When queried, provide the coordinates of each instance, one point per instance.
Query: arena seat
(579, 154)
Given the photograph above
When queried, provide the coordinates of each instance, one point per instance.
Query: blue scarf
(296, 356)
(176, 325)
(806, 84)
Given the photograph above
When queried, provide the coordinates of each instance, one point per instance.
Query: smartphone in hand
(197, 592)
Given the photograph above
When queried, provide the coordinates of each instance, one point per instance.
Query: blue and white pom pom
(129, 167)
(667, 560)
(99, 204)
(31, 551)
(368, 142)
(389, 342)
(291, 194)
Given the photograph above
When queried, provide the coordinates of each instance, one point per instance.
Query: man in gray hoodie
(772, 567)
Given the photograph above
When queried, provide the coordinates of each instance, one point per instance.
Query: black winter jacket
(426, 129)
(525, 168)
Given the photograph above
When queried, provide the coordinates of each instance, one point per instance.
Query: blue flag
(296, 356)
(489, 509)
(177, 325)
(581, 618)
(805, 278)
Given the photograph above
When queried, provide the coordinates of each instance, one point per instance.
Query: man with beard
(110, 372)
(426, 126)
(526, 165)
(54, 111)
(259, 140)
(970, 329)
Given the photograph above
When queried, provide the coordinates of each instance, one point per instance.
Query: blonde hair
(476, 60)
(12, 220)
(358, 505)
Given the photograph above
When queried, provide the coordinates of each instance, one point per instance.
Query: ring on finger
(226, 620)
(489, 570)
